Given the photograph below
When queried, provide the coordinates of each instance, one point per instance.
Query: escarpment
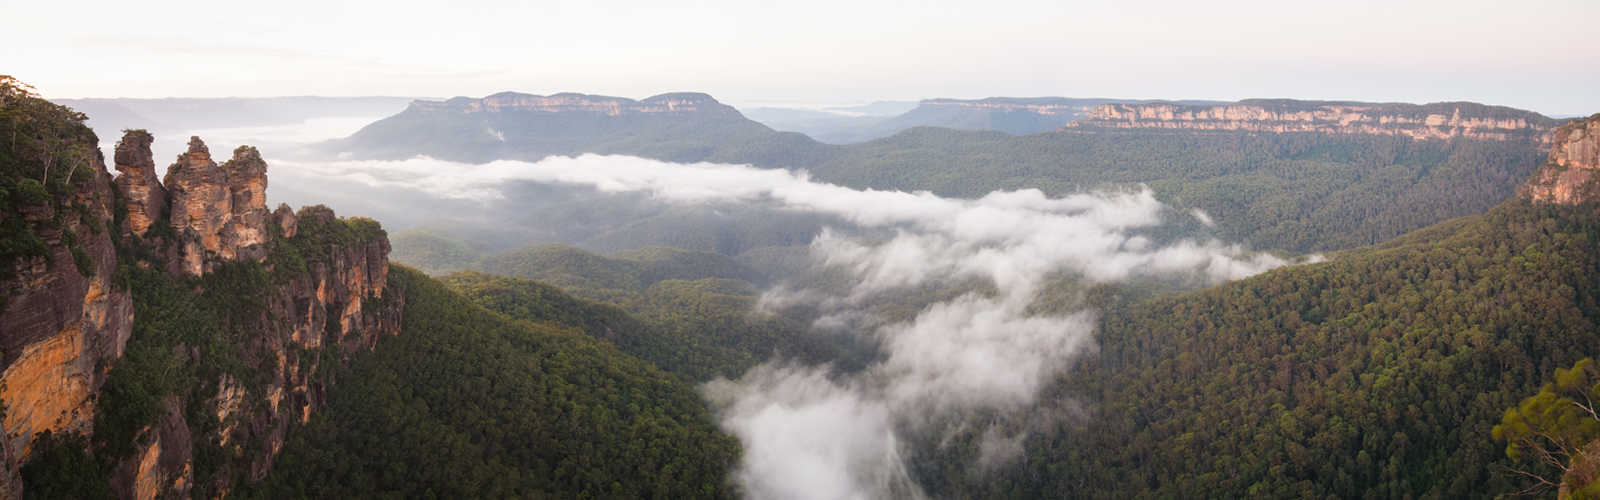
(683, 103)
(177, 330)
(1569, 175)
(61, 313)
(1432, 121)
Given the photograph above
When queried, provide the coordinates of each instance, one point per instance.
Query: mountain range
(170, 335)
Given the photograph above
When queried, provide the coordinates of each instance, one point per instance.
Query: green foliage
(437, 251)
(1554, 428)
(614, 278)
(85, 265)
(59, 468)
(45, 149)
(467, 403)
(1380, 374)
(697, 329)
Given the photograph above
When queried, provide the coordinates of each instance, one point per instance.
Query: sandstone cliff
(218, 210)
(320, 297)
(684, 103)
(140, 185)
(1569, 175)
(1432, 121)
(62, 315)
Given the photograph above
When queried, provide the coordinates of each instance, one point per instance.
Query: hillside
(682, 127)
(1389, 170)
(172, 337)
(1381, 373)
(470, 403)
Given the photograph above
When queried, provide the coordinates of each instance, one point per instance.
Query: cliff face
(666, 104)
(64, 327)
(138, 181)
(1569, 175)
(219, 211)
(59, 321)
(1432, 121)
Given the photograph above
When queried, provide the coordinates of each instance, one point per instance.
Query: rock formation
(1569, 175)
(64, 326)
(684, 103)
(1432, 121)
(138, 180)
(219, 211)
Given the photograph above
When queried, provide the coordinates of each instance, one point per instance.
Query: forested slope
(1378, 375)
(1303, 192)
(469, 403)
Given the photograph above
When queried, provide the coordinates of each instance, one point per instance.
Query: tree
(1557, 429)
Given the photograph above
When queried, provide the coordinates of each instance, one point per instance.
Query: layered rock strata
(138, 181)
(62, 329)
(1569, 176)
(1432, 121)
(59, 322)
(219, 211)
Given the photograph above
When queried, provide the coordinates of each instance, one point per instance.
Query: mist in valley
(982, 346)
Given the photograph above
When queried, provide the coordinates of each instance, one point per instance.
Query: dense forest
(1378, 375)
(469, 403)
(690, 313)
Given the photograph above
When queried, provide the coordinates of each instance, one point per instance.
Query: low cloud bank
(808, 433)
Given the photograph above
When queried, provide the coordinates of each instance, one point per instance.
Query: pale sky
(1541, 55)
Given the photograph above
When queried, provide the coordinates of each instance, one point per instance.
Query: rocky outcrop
(1569, 176)
(62, 316)
(1432, 121)
(219, 212)
(64, 326)
(336, 302)
(138, 181)
(685, 103)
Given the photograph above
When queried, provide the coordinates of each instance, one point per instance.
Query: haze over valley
(865, 251)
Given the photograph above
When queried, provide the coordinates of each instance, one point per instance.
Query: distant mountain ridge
(1012, 115)
(684, 127)
(1442, 120)
(680, 104)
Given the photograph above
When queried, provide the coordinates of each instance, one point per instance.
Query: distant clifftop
(1569, 175)
(1040, 105)
(682, 103)
(1430, 121)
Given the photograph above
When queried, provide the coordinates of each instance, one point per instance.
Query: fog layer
(809, 432)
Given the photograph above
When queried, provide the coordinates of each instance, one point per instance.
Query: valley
(586, 296)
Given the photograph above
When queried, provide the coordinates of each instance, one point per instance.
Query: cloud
(810, 433)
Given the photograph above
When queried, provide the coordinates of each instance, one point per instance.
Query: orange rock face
(1569, 175)
(59, 323)
(63, 327)
(138, 181)
(1417, 122)
(220, 212)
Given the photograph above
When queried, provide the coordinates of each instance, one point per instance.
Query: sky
(1541, 55)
